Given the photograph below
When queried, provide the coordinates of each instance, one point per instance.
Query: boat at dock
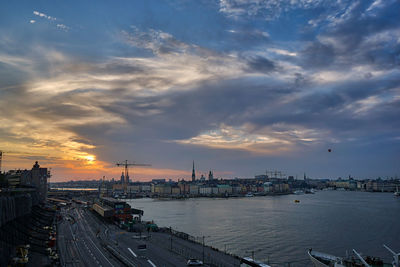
(320, 259)
(250, 262)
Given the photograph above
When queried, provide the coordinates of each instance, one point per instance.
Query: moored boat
(320, 259)
(397, 192)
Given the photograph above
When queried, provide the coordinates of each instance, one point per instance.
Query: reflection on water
(277, 228)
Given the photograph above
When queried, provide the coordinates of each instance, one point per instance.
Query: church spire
(193, 173)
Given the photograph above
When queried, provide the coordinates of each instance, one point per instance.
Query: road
(85, 240)
(78, 244)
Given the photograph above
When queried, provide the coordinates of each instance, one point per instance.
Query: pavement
(84, 239)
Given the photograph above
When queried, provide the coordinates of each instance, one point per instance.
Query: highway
(78, 244)
(85, 240)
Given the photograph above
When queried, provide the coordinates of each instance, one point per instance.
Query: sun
(90, 159)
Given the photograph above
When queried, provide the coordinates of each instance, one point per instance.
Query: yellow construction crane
(125, 164)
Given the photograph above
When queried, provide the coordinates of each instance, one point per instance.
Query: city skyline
(237, 86)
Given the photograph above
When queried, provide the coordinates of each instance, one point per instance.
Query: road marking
(100, 251)
(130, 250)
(151, 263)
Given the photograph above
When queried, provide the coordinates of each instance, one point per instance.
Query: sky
(238, 86)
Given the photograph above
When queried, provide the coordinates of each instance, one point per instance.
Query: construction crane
(125, 164)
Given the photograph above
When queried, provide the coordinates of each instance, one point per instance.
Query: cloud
(157, 41)
(63, 27)
(42, 15)
(261, 64)
(274, 139)
(60, 26)
(161, 98)
(267, 9)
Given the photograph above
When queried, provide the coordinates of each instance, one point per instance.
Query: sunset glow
(237, 86)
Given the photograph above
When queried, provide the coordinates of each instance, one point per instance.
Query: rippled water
(281, 231)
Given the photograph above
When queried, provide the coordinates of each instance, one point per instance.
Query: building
(37, 177)
(120, 210)
(193, 189)
(193, 173)
(184, 187)
(175, 190)
(210, 176)
(224, 189)
(205, 190)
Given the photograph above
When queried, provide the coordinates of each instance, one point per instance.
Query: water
(279, 230)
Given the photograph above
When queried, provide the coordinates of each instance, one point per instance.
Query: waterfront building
(224, 189)
(133, 188)
(210, 176)
(184, 187)
(161, 189)
(194, 189)
(236, 189)
(205, 190)
(175, 190)
(145, 188)
(214, 190)
(268, 187)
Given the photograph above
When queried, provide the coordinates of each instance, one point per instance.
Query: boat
(320, 259)
(250, 262)
(298, 192)
(249, 195)
(296, 201)
(309, 191)
(397, 192)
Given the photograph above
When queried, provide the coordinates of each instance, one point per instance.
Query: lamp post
(203, 249)
(252, 253)
(204, 246)
(170, 230)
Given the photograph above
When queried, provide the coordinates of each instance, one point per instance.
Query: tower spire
(193, 173)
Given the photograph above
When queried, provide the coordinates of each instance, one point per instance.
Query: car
(194, 262)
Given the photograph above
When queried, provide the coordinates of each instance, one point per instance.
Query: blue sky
(239, 86)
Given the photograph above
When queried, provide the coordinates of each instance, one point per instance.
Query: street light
(170, 230)
(203, 246)
(252, 253)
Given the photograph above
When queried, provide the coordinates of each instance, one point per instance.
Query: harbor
(91, 229)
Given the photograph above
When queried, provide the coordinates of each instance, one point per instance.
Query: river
(278, 230)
